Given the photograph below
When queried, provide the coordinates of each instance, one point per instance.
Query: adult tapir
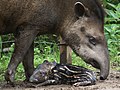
(79, 22)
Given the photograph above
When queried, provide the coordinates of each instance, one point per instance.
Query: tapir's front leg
(23, 42)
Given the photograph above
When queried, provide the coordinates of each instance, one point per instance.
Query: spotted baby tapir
(49, 73)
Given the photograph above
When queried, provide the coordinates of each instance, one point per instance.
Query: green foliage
(112, 31)
(4, 60)
(46, 48)
(113, 13)
(47, 53)
(0, 46)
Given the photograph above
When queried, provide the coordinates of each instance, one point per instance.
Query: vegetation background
(47, 47)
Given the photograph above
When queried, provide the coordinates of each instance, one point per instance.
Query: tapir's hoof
(9, 76)
(26, 81)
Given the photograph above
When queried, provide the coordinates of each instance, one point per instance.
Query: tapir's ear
(54, 63)
(79, 9)
(45, 61)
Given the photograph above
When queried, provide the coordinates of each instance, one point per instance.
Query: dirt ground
(112, 83)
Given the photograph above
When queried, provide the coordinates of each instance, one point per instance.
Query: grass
(113, 39)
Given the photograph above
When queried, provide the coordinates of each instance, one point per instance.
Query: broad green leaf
(112, 5)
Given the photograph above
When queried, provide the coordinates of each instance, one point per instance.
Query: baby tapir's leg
(87, 78)
(83, 83)
(47, 82)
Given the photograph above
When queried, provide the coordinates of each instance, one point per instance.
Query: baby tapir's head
(42, 72)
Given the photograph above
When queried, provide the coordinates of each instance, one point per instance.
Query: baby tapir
(53, 73)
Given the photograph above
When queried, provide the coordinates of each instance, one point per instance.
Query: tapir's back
(43, 13)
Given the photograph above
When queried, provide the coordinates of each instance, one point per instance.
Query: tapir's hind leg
(23, 41)
(28, 62)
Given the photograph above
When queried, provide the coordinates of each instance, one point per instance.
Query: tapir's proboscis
(79, 22)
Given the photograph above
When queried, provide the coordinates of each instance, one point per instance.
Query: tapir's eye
(92, 40)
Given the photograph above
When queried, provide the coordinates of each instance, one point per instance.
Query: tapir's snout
(104, 68)
(94, 63)
(98, 57)
(100, 61)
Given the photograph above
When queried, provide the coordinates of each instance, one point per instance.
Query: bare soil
(112, 83)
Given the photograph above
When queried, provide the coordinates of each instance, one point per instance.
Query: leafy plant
(0, 46)
(113, 13)
(112, 29)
